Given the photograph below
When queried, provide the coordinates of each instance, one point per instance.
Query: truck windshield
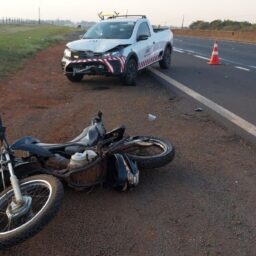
(110, 30)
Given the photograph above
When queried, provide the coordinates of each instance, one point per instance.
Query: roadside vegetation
(18, 42)
(226, 25)
(221, 30)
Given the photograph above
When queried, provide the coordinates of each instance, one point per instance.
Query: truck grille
(86, 55)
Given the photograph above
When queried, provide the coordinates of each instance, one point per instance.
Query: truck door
(144, 45)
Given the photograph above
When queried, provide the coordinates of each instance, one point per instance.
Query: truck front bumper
(94, 66)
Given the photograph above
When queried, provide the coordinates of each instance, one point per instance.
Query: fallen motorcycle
(82, 162)
(94, 157)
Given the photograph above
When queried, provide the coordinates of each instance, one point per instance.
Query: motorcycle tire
(163, 152)
(46, 193)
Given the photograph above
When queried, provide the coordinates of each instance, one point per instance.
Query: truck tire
(165, 63)
(129, 78)
(75, 78)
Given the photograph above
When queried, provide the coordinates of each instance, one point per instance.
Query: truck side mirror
(142, 37)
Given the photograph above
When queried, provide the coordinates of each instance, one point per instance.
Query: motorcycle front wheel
(149, 152)
(43, 194)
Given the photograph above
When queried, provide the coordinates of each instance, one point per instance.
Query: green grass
(19, 42)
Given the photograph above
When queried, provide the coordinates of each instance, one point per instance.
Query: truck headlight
(116, 54)
(67, 53)
(112, 54)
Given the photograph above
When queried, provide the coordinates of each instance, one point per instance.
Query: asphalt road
(238, 54)
(232, 85)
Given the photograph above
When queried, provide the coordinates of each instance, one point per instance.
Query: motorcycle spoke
(37, 198)
(144, 150)
(38, 194)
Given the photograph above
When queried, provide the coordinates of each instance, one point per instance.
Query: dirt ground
(203, 203)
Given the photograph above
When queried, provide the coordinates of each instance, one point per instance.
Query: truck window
(143, 30)
(110, 30)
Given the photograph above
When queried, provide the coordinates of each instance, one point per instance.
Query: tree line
(226, 25)
(20, 21)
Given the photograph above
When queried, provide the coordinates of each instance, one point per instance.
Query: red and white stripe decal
(121, 64)
(110, 68)
(105, 61)
(149, 61)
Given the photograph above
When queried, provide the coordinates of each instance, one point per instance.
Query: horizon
(172, 15)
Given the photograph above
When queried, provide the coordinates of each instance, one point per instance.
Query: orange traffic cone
(215, 60)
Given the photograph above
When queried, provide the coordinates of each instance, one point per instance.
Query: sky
(160, 12)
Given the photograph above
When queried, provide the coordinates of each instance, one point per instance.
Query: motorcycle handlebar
(97, 118)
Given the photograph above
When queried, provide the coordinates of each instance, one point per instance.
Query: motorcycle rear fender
(117, 132)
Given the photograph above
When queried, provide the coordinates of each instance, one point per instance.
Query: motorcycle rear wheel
(46, 193)
(151, 152)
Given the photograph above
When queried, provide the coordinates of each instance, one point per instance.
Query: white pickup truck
(119, 46)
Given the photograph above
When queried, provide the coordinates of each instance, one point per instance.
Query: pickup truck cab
(118, 46)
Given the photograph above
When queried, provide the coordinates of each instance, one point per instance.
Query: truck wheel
(129, 78)
(165, 63)
(75, 78)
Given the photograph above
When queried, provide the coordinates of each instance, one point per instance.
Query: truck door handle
(154, 42)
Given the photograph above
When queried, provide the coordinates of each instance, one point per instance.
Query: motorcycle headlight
(67, 53)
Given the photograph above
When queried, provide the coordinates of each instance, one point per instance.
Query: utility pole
(39, 19)
(182, 24)
(39, 12)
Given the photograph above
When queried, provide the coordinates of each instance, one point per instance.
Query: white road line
(229, 61)
(245, 125)
(205, 58)
(178, 40)
(189, 51)
(178, 50)
(236, 63)
(201, 57)
(245, 69)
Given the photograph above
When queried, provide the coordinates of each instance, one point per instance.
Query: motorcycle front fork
(14, 181)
